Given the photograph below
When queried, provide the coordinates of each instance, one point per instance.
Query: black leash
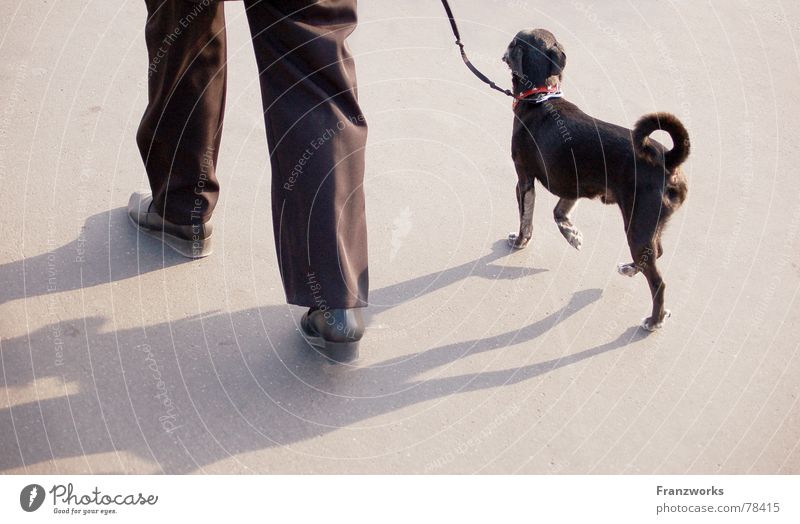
(464, 57)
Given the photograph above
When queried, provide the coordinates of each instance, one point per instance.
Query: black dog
(576, 156)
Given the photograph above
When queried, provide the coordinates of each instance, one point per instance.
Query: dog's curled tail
(666, 122)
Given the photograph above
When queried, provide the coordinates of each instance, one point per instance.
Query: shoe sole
(336, 352)
(188, 248)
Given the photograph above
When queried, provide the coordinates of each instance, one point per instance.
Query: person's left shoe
(336, 332)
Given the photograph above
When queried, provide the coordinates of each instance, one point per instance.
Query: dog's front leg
(568, 230)
(526, 196)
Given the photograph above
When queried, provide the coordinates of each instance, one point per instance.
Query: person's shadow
(184, 395)
(187, 394)
(88, 260)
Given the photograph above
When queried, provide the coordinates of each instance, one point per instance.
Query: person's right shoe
(336, 332)
(192, 241)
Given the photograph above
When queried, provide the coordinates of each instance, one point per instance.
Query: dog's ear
(515, 53)
(558, 59)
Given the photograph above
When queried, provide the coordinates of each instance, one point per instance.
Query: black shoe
(336, 332)
(192, 241)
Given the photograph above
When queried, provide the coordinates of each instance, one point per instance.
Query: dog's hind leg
(647, 265)
(643, 231)
(643, 239)
(526, 196)
(561, 216)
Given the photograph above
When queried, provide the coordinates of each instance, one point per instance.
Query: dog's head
(536, 59)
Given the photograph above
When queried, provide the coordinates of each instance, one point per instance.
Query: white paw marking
(647, 323)
(627, 270)
(575, 239)
(571, 233)
(512, 241)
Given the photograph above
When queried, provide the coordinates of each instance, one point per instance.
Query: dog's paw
(575, 239)
(515, 241)
(572, 234)
(650, 325)
(628, 270)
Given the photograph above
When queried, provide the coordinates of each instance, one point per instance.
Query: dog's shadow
(484, 267)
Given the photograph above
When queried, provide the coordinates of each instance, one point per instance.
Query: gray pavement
(120, 357)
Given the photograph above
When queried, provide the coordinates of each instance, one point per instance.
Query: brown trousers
(315, 131)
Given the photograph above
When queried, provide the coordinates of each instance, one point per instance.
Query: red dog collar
(537, 95)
